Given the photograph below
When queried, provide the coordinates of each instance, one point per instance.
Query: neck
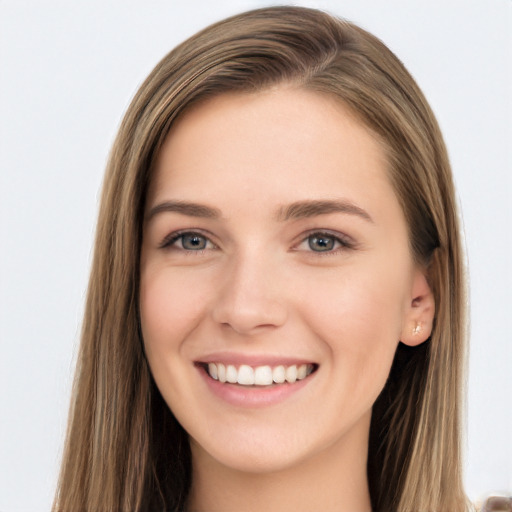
(334, 479)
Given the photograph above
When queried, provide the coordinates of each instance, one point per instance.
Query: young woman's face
(274, 249)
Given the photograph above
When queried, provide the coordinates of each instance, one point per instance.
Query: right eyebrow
(184, 208)
(305, 209)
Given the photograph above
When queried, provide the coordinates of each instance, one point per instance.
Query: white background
(67, 72)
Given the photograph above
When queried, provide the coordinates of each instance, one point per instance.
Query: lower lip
(253, 396)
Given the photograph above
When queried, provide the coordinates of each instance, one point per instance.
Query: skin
(261, 288)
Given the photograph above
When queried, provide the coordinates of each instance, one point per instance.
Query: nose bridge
(251, 295)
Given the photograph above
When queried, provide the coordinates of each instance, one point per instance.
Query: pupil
(321, 243)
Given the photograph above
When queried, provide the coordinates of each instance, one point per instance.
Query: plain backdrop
(67, 73)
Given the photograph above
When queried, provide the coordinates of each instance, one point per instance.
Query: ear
(419, 315)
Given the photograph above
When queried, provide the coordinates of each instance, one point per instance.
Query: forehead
(282, 145)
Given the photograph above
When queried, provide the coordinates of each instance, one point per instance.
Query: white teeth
(231, 374)
(263, 376)
(246, 375)
(221, 372)
(279, 374)
(212, 370)
(291, 374)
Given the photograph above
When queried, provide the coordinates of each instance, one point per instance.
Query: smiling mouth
(266, 375)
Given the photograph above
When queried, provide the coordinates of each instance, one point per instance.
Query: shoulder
(496, 504)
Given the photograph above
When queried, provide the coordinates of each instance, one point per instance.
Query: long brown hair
(124, 449)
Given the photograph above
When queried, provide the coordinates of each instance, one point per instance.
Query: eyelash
(343, 242)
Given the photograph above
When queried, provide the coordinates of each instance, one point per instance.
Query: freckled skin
(259, 288)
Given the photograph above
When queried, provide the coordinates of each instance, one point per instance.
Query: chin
(265, 450)
(256, 461)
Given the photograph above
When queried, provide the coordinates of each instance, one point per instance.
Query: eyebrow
(305, 209)
(293, 211)
(185, 208)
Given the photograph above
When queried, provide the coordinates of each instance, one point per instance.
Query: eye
(193, 242)
(321, 242)
(188, 241)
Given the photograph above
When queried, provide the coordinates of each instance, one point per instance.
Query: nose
(251, 296)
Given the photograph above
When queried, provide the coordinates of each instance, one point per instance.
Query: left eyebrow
(305, 209)
(184, 208)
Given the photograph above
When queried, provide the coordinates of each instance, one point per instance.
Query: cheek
(358, 318)
(170, 307)
(361, 303)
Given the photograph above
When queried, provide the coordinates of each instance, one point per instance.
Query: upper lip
(236, 359)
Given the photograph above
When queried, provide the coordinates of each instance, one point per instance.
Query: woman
(275, 316)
